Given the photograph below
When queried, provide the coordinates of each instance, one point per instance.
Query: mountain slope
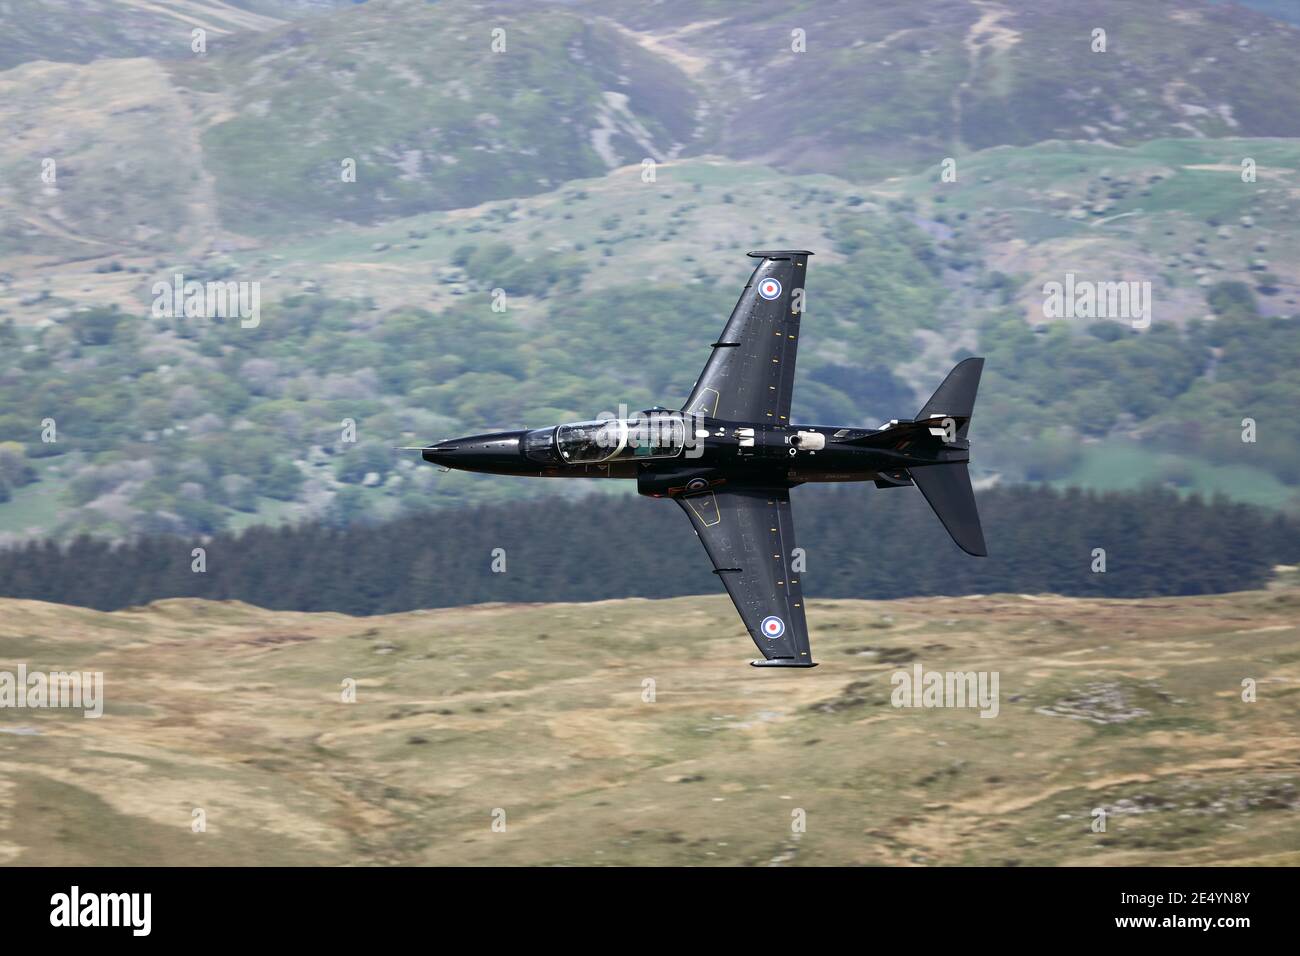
(273, 110)
(885, 87)
(119, 185)
(79, 31)
(443, 123)
(479, 171)
(633, 733)
(614, 287)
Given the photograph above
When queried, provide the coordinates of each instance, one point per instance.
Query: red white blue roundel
(772, 627)
(769, 288)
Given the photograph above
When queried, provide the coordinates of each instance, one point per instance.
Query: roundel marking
(769, 288)
(695, 484)
(772, 627)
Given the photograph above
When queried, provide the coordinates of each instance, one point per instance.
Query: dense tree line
(859, 544)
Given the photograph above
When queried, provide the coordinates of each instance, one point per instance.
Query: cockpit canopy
(609, 440)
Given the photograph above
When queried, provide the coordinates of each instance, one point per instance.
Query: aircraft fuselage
(742, 452)
(728, 456)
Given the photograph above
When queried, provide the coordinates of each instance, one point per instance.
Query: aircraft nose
(442, 453)
(499, 451)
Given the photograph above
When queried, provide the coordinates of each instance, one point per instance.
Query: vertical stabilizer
(955, 398)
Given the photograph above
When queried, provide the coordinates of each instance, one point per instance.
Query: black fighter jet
(730, 455)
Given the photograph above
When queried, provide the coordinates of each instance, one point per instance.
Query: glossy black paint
(734, 455)
(777, 456)
(498, 453)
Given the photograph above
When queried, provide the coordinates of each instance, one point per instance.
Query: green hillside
(1282, 9)
(442, 123)
(633, 733)
(434, 119)
(521, 171)
(613, 289)
(78, 31)
(885, 87)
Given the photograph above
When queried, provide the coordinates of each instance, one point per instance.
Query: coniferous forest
(858, 543)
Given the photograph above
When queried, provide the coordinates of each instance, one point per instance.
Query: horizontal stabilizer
(947, 489)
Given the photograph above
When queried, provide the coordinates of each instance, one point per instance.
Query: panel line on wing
(709, 504)
(768, 599)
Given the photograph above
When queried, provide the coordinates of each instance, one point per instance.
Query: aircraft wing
(750, 375)
(749, 535)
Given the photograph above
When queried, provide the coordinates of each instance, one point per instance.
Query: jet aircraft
(730, 455)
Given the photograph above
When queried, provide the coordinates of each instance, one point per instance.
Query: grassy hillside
(885, 87)
(615, 287)
(259, 126)
(1282, 9)
(538, 710)
(619, 313)
(443, 123)
(78, 31)
(520, 171)
(273, 109)
(1174, 212)
(117, 187)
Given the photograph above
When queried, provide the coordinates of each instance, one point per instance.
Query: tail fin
(955, 398)
(947, 489)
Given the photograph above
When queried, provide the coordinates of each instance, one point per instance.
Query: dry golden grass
(538, 710)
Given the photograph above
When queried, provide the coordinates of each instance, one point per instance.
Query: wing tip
(782, 662)
(778, 253)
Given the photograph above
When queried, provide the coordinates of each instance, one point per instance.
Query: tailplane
(936, 441)
(947, 487)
